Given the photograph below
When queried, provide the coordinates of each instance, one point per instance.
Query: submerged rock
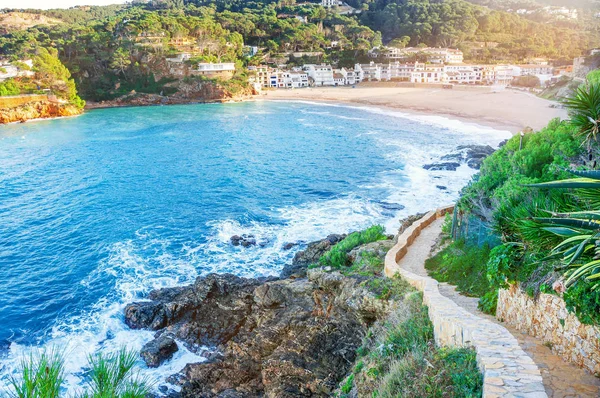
(244, 240)
(289, 246)
(159, 350)
(310, 255)
(448, 166)
(472, 155)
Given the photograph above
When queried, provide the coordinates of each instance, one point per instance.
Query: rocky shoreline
(292, 336)
(194, 92)
(37, 110)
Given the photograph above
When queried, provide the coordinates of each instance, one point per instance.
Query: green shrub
(348, 384)
(433, 373)
(502, 262)
(584, 301)
(489, 302)
(337, 257)
(462, 265)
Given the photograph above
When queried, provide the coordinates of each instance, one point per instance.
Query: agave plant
(584, 111)
(580, 230)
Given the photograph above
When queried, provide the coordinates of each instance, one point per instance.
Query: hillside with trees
(114, 50)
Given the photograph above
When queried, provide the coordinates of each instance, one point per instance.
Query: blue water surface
(99, 209)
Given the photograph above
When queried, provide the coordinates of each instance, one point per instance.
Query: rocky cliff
(279, 337)
(188, 91)
(37, 110)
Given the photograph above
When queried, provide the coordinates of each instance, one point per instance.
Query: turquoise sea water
(96, 211)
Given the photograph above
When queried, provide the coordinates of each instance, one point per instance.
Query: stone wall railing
(507, 370)
(547, 319)
(18, 100)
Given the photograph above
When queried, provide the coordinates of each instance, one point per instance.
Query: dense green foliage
(584, 110)
(583, 300)
(456, 23)
(466, 267)
(50, 74)
(337, 257)
(498, 193)
(124, 48)
(551, 230)
(110, 375)
(399, 358)
(113, 50)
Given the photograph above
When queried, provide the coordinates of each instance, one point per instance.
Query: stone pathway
(561, 379)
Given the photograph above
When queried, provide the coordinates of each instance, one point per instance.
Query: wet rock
(447, 166)
(472, 155)
(441, 187)
(309, 256)
(208, 312)
(275, 338)
(289, 246)
(243, 240)
(475, 154)
(159, 350)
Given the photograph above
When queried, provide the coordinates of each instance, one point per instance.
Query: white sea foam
(146, 262)
(452, 126)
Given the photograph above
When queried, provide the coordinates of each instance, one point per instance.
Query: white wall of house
(322, 75)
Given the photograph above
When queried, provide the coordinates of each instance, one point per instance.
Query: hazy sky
(54, 3)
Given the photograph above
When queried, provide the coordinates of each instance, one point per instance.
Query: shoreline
(504, 110)
(509, 110)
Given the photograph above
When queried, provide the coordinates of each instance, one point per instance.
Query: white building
(322, 75)
(504, 74)
(427, 73)
(294, 79)
(433, 55)
(330, 3)
(535, 70)
(371, 71)
(179, 58)
(463, 74)
(8, 70)
(353, 76)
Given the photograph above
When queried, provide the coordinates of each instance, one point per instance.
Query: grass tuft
(42, 375)
(337, 257)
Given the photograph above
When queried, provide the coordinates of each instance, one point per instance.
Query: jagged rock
(244, 240)
(448, 166)
(374, 249)
(472, 155)
(310, 255)
(280, 338)
(159, 350)
(441, 187)
(475, 154)
(37, 110)
(208, 312)
(289, 246)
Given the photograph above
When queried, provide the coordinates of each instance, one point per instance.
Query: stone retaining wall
(507, 370)
(18, 100)
(547, 319)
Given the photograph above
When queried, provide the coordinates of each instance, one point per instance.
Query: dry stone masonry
(507, 370)
(547, 319)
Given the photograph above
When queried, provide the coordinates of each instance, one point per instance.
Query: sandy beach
(507, 110)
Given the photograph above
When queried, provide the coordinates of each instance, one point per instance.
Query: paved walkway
(561, 379)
